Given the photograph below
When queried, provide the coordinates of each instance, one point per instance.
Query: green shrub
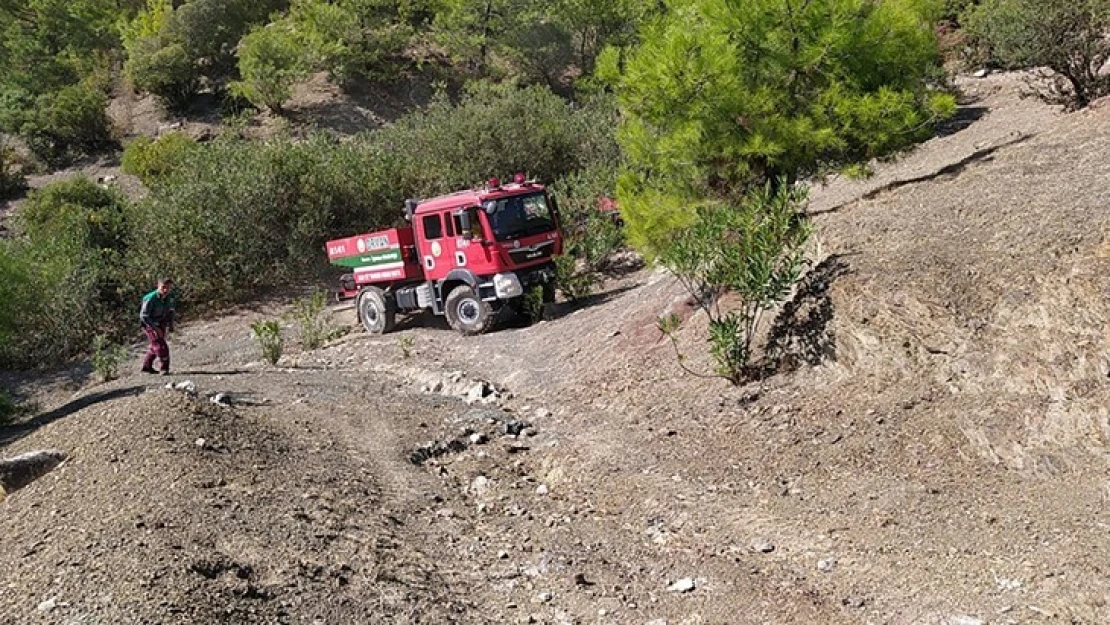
(752, 251)
(12, 178)
(107, 357)
(166, 71)
(71, 270)
(271, 61)
(591, 235)
(496, 131)
(573, 282)
(405, 343)
(313, 320)
(70, 123)
(152, 159)
(1066, 36)
(268, 336)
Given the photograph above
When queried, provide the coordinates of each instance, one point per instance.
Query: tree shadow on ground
(802, 332)
(12, 433)
(965, 116)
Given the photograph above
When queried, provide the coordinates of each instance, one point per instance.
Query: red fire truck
(465, 255)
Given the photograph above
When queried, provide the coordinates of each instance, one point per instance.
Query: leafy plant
(1066, 36)
(314, 322)
(751, 251)
(406, 343)
(271, 61)
(152, 159)
(268, 336)
(69, 123)
(532, 306)
(12, 177)
(575, 284)
(107, 357)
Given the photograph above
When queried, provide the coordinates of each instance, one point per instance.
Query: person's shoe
(148, 370)
(165, 372)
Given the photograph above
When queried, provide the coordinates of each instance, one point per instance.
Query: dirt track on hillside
(934, 451)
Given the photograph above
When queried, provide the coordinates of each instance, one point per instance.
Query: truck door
(437, 260)
(475, 251)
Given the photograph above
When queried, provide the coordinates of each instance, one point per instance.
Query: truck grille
(531, 254)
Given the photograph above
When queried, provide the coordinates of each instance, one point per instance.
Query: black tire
(467, 313)
(376, 310)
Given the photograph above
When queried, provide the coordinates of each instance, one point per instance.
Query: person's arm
(171, 313)
(144, 313)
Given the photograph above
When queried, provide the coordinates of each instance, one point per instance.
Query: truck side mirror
(465, 225)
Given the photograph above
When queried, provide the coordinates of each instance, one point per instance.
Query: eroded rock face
(18, 472)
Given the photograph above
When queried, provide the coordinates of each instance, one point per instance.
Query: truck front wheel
(467, 313)
(376, 310)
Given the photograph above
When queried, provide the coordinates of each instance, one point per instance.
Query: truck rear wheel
(376, 311)
(467, 313)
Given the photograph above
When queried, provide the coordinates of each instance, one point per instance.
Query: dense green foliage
(54, 60)
(13, 179)
(150, 159)
(67, 273)
(1066, 36)
(723, 94)
(270, 62)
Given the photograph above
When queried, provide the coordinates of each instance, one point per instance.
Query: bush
(165, 71)
(12, 178)
(153, 159)
(574, 283)
(591, 234)
(1066, 36)
(496, 131)
(107, 357)
(270, 341)
(271, 61)
(70, 123)
(753, 251)
(314, 322)
(70, 269)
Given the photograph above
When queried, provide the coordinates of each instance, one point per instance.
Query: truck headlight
(507, 286)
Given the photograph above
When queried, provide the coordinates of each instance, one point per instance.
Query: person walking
(156, 317)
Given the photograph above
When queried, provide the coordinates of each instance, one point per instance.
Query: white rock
(48, 605)
(983, 73)
(658, 621)
(480, 485)
(543, 597)
(826, 566)
(201, 442)
(477, 438)
(542, 413)
(963, 619)
(686, 584)
(502, 555)
(762, 545)
(542, 489)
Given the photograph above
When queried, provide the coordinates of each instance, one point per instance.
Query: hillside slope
(934, 450)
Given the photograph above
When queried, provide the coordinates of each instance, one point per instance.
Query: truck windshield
(520, 216)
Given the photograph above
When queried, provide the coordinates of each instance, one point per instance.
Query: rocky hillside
(933, 449)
